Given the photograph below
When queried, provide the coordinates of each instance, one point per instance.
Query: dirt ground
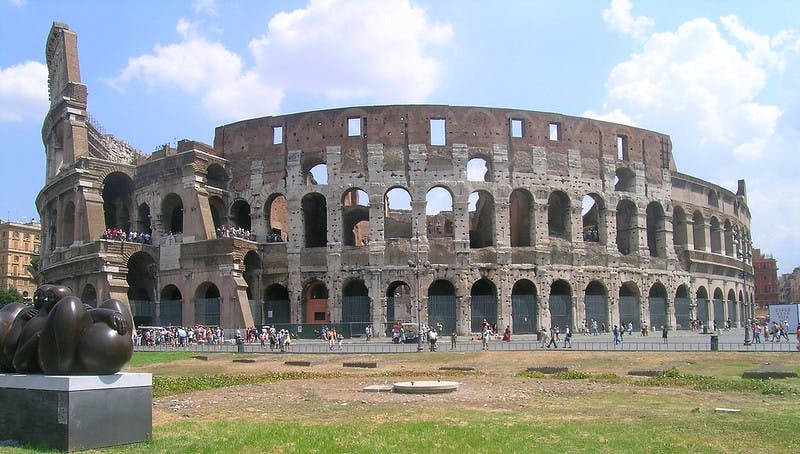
(492, 383)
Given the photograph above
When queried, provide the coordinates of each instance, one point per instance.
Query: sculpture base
(76, 412)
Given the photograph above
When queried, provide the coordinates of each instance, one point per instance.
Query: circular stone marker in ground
(378, 389)
(425, 387)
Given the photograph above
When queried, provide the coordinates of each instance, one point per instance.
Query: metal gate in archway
(483, 307)
(629, 310)
(596, 309)
(523, 311)
(719, 314)
(355, 312)
(658, 312)
(682, 315)
(702, 310)
(561, 311)
(442, 309)
(276, 311)
(257, 310)
(206, 311)
(733, 316)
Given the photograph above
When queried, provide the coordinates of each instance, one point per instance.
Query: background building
(19, 244)
(376, 214)
(790, 286)
(765, 269)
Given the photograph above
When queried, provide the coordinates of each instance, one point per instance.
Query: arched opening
(399, 304)
(442, 304)
(439, 212)
(732, 315)
(117, 201)
(481, 219)
(680, 237)
(595, 298)
(629, 312)
(558, 215)
(478, 170)
(141, 279)
(216, 177)
(397, 214)
(276, 305)
(252, 276)
(218, 217)
(627, 231)
(520, 215)
(69, 224)
(277, 213)
(317, 174)
(657, 302)
(172, 213)
(656, 231)
(718, 317)
(144, 224)
(625, 180)
(483, 304)
(355, 306)
(728, 232)
(315, 303)
(701, 299)
(561, 304)
(523, 307)
(593, 215)
(698, 231)
(715, 235)
(171, 305)
(682, 308)
(355, 218)
(315, 220)
(89, 295)
(207, 305)
(240, 218)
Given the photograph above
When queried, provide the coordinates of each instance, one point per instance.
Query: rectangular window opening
(622, 148)
(516, 128)
(353, 127)
(319, 316)
(555, 131)
(438, 131)
(277, 135)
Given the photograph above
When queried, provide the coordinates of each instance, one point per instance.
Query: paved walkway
(732, 340)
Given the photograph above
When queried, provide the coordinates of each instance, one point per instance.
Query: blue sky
(721, 78)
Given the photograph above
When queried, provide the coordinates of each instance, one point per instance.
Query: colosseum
(382, 214)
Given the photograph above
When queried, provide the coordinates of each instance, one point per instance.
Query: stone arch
(141, 280)
(593, 215)
(252, 276)
(656, 230)
(144, 223)
(657, 305)
(595, 299)
(479, 169)
(715, 235)
(276, 211)
(117, 201)
(218, 212)
(240, 215)
(317, 174)
(68, 224)
(399, 302)
(559, 215)
(524, 307)
(698, 231)
(629, 304)
(355, 217)
(171, 305)
(397, 213)
(483, 304)
(680, 237)
(732, 314)
(89, 295)
(682, 307)
(627, 227)
(172, 213)
(481, 219)
(207, 304)
(442, 304)
(560, 304)
(356, 305)
(439, 212)
(216, 176)
(702, 301)
(718, 305)
(520, 215)
(277, 309)
(625, 180)
(315, 302)
(728, 238)
(315, 220)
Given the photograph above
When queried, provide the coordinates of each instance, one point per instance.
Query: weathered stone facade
(315, 217)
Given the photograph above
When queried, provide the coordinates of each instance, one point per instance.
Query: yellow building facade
(19, 244)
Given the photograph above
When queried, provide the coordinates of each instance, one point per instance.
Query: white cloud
(207, 7)
(615, 116)
(18, 3)
(23, 92)
(618, 16)
(356, 49)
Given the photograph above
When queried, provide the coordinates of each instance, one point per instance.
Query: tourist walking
(567, 337)
(553, 340)
(664, 334)
(453, 339)
(485, 337)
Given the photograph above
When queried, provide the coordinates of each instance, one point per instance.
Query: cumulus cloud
(618, 16)
(355, 49)
(614, 116)
(23, 92)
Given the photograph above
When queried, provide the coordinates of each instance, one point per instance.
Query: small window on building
(622, 148)
(353, 127)
(438, 128)
(555, 131)
(27, 236)
(16, 234)
(277, 135)
(516, 127)
(319, 316)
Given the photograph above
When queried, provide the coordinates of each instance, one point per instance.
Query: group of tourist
(278, 339)
(235, 232)
(273, 237)
(122, 235)
(178, 336)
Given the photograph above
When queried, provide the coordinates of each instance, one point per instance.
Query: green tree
(9, 295)
(33, 267)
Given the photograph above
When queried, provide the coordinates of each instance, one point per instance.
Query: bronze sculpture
(59, 335)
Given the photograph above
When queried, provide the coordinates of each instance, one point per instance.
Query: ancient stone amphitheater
(383, 214)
